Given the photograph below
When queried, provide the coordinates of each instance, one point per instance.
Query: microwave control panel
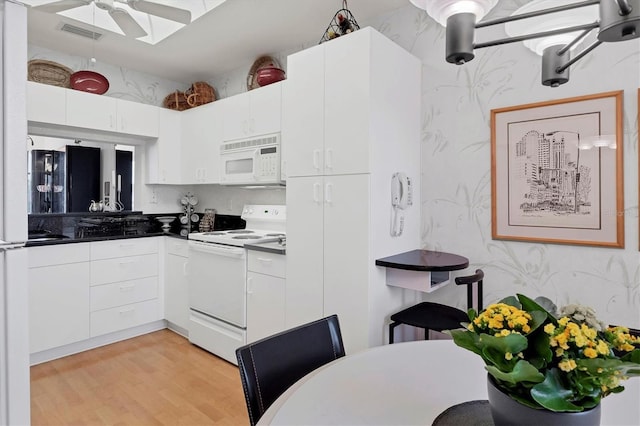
(269, 162)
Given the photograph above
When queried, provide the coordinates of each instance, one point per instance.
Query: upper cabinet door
(201, 137)
(236, 116)
(266, 110)
(91, 111)
(253, 113)
(46, 103)
(347, 108)
(137, 119)
(303, 113)
(163, 156)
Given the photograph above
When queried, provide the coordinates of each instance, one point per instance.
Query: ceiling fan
(122, 18)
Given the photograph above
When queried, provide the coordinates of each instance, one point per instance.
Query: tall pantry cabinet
(351, 118)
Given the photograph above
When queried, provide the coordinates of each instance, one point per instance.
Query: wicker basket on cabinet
(199, 93)
(49, 72)
(176, 101)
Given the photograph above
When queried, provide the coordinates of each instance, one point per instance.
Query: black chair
(437, 317)
(270, 366)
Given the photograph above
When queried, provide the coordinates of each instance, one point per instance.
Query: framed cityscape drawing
(556, 171)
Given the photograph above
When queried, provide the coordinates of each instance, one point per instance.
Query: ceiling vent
(81, 31)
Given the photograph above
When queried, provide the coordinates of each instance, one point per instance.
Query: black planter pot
(507, 411)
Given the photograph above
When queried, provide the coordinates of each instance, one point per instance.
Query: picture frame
(557, 171)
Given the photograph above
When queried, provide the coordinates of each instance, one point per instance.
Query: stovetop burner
(240, 231)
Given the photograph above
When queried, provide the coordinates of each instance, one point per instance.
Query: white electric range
(218, 276)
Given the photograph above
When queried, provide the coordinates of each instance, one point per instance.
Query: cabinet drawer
(123, 248)
(123, 269)
(58, 254)
(122, 317)
(123, 293)
(267, 263)
(177, 247)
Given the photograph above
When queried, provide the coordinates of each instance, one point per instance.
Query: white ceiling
(232, 35)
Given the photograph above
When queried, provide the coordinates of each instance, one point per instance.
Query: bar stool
(438, 317)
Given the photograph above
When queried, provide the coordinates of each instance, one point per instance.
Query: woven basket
(49, 72)
(176, 100)
(199, 93)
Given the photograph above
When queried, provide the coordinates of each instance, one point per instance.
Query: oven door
(217, 281)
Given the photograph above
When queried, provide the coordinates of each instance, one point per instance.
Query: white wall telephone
(401, 198)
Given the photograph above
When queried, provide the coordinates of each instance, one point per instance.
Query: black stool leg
(391, 327)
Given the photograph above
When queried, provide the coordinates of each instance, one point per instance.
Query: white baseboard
(95, 342)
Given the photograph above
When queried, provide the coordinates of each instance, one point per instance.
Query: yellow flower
(567, 365)
(504, 332)
(559, 352)
(563, 321)
(508, 356)
(602, 347)
(590, 353)
(549, 329)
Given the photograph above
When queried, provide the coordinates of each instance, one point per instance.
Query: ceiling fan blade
(62, 5)
(163, 11)
(127, 24)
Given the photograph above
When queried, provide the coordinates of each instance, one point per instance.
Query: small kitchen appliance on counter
(218, 271)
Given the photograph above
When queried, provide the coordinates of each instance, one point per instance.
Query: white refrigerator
(14, 338)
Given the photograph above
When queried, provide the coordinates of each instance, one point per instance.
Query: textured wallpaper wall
(456, 179)
(456, 166)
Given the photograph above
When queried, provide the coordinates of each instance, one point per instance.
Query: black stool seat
(433, 316)
(438, 317)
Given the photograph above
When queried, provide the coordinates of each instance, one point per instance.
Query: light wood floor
(156, 379)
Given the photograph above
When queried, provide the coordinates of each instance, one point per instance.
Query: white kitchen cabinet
(328, 217)
(58, 295)
(176, 308)
(164, 156)
(124, 284)
(201, 137)
(135, 118)
(46, 103)
(253, 113)
(91, 111)
(265, 294)
(327, 108)
(66, 107)
(360, 95)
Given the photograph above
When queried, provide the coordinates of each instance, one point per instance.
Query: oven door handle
(217, 249)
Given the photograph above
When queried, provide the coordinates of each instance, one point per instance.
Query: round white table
(406, 384)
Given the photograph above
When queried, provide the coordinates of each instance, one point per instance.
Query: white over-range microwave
(253, 161)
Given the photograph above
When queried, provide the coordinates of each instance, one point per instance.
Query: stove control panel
(264, 212)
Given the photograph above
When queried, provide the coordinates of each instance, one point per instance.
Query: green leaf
(511, 301)
(595, 365)
(467, 340)
(495, 348)
(553, 395)
(523, 371)
(531, 305)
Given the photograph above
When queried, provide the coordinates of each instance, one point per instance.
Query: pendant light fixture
(545, 27)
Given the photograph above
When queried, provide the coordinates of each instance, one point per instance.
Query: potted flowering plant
(564, 362)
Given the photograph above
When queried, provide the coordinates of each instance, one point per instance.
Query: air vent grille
(248, 143)
(81, 31)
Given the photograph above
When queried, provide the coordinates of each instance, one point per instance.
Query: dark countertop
(270, 247)
(424, 260)
(101, 238)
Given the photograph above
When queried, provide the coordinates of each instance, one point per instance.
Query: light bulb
(441, 10)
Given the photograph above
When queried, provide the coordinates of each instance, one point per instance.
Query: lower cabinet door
(58, 305)
(265, 305)
(122, 317)
(176, 307)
